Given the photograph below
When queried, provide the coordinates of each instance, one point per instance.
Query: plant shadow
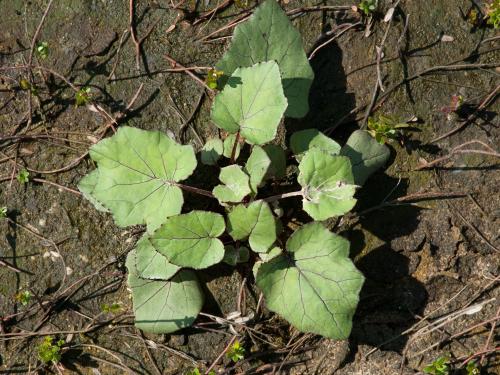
(391, 298)
(328, 97)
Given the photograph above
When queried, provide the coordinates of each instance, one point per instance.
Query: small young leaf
(234, 256)
(138, 171)
(23, 176)
(237, 185)
(190, 240)
(270, 36)
(87, 186)
(327, 184)
(164, 306)
(366, 155)
(150, 263)
(263, 163)
(212, 151)
(315, 286)
(255, 222)
(304, 140)
(277, 169)
(228, 147)
(252, 102)
(257, 166)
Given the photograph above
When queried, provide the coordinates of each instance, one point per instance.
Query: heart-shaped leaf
(237, 185)
(164, 306)
(306, 139)
(366, 155)
(150, 264)
(326, 182)
(190, 240)
(255, 222)
(138, 171)
(252, 103)
(270, 36)
(314, 285)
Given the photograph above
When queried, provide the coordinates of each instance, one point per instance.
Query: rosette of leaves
(141, 180)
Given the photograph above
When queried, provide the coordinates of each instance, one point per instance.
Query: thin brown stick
(76, 192)
(214, 363)
(490, 335)
(30, 56)
(344, 29)
(134, 36)
(378, 82)
(174, 63)
(150, 355)
(210, 13)
(412, 198)
(115, 64)
(460, 150)
(11, 267)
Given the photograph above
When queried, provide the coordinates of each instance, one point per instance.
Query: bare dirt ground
(427, 239)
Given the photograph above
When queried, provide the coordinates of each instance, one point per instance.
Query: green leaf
(255, 222)
(366, 155)
(87, 185)
(304, 140)
(151, 264)
(212, 151)
(138, 171)
(326, 182)
(237, 185)
(257, 166)
(252, 102)
(263, 163)
(233, 255)
(273, 253)
(164, 306)
(277, 169)
(270, 36)
(315, 286)
(190, 240)
(228, 147)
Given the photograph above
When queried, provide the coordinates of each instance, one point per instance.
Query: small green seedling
(3, 212)
(25, 85)
(384, 128)
(141, 180)
(112, 308)
(213, 77)
(82, 96)
(493, 13)
(24, 297)
(368, 6)
(236, 352)
(42, 50)
(472, 368)
(49, 352)
(440, 366)
(23, 176)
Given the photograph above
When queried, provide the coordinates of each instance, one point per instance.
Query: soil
(424, 260)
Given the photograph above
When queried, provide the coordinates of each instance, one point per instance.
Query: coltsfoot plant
(307, 276)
